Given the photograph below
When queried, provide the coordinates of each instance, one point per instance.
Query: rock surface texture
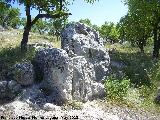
(24, 73)
(77, 70)
(90, 60)
(89, 111)
(57, 75)
(9, 90)
(80, 40)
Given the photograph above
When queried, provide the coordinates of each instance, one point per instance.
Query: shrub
(116, 89)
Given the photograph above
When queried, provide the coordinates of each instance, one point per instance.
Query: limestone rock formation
(76, 71)
(83, 85)
(80, 40)
(24, 73)
(9, 90)
(56, 68)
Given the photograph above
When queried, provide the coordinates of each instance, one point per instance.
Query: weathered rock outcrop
(24, 73)
(57, 74)
(80, 40)
(77, 71)
(9, 90)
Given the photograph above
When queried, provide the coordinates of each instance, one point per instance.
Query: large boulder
(68, 78)
(80, 40)
(57, 75)
(76, 71)
(24, 73)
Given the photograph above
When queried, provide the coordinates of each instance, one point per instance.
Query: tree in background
(40, 26)
(56, 25)
(47, 9)
(148, 10)
(86, 21)
(9, 16)
(109, 31)
(134, 30)
(89, 23)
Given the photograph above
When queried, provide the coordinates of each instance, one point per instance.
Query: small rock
(39, 46)
(51, 107)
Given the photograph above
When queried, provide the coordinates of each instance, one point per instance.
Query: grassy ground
(10, 48)
(142, 73)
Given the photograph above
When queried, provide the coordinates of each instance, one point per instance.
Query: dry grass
(10, 52)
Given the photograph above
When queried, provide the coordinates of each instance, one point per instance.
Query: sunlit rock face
(78, 69)
(72, 78)
(81, 40)
(57, 71)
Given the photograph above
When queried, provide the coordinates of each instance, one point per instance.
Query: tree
(148, 10)
(86, 21)
(89, 23)
(134, 30)
(9, 16)
(56, 25)
(47, 9)
(109, 31)
(41, 26)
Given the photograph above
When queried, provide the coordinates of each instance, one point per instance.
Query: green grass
(143, 73)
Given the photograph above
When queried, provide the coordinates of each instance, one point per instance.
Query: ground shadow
(137, 66)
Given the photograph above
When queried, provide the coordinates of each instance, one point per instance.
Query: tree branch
(58, 15)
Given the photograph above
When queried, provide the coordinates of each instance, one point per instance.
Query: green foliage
(40, 26)
(134, 30)
(109, 31)
(47, 9)
(55, 26)
(86, 21)
(144, 19)
(9, 16)
(10, 56)
(89, 23)
(117, 89)
(142, 72)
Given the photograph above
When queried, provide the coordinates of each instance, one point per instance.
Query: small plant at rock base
(116, 89)
(74, 104)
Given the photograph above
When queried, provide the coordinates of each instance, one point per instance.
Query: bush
(116, 89)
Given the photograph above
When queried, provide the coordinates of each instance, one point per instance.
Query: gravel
(94, 110)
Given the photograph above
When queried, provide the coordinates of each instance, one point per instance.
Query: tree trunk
(30, 23)
(25, 38)
(26, 29)
(141, 48)
(57, 37)
(156, 45)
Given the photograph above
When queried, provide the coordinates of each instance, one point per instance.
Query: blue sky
(98, 13)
